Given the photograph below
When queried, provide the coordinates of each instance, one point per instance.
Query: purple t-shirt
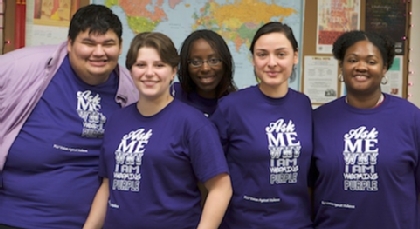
(154, 163)
(51, 174)
(368, 164)
(205, 105)
(268, 145)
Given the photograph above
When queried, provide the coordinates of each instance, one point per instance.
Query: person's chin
(274, 82)
(100, 73)
(361, 86)
(208, 86)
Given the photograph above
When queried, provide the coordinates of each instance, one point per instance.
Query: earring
(294, 74)
(384, 82)
(340, 78)
(172, 90)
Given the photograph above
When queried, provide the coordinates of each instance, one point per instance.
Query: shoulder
(37, 55)
(127, 89)
(188, 116)
(240, 96)
(401, 102)
(178, 93)
(122, 114)
(401, 108)
(187, 112)
(298, 96)
(328, 109)
(27, 67)
(177, 87)
(331, 105)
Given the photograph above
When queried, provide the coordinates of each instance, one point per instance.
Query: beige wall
(414, 54)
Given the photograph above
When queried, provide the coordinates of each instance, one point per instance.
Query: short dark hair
(97, 19)
(274, 27)
(217, 43)
(383, 43)
(162, 43)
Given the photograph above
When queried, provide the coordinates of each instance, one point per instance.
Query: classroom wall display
(321, 80)
(47, 21)
(394, 78)
(54, 12)
(334, 18)
(397, 75)
(236, 21)
(388, 17)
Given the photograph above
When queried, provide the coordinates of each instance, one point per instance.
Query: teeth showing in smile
(207, 78)
(360, 78)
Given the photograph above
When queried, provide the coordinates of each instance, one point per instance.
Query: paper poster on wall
(394, 78)
(388, 17)
(334, 18)
(320, 80)
(53, 12)
(47, 21)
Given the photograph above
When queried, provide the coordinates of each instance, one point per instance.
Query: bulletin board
(313, 57)
(9, 7)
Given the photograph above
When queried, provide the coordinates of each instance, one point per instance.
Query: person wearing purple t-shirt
(54, 103)
(266, 131)
(205, 74)
(205, 71)
(156, 151)
(366, 144)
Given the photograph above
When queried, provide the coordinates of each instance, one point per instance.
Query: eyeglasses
(198, 63)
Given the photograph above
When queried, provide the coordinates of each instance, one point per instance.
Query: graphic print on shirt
(88, 109)
(284, 152)
(128, 159)
(360, 155)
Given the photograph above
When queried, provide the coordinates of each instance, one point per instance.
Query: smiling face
(363, 68)
(94, 56)
(274, 59)
(151, 76)
(210, 73)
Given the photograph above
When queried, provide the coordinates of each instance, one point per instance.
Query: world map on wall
(235, 20)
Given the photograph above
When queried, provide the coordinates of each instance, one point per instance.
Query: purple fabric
(24, 75)
(368, 165)
(51, 174)
(268, 145)
(206, 106)
(154, 163)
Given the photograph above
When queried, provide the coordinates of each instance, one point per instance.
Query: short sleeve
(222, 125)
(206, 153)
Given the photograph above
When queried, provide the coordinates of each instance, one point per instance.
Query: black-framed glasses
(211, 62)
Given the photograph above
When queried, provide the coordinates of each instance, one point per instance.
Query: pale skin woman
(153, 76)
(273, 60)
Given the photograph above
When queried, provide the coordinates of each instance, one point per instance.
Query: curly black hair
(383, 43)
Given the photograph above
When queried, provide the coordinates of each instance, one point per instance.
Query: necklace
(381, 99)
